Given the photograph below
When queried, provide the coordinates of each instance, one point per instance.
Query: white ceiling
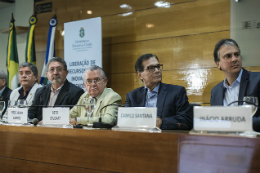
(4, 5)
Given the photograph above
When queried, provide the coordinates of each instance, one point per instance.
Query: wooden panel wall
(183, 36)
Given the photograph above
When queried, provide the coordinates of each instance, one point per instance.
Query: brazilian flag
(30, 45)
(12, 61)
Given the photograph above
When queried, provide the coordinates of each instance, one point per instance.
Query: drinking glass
(2, 108)
(12, 104)
(252, 101)
(89, 106)
(21, 103)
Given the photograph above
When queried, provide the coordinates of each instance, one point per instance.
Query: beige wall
(182, 36)
(22, 10)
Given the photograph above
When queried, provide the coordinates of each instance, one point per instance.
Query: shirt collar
(1, 92)
(225, 83)
(95, 97)
(57, 89)
(156, 89)
(21, 91)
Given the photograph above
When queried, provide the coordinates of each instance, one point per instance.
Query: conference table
(43, 149)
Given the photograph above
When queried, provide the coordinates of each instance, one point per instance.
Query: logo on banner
(81, 32)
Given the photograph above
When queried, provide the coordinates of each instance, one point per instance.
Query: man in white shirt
(28, 75)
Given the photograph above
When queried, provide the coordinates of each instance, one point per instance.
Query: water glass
(12, 104)
(21, 103)
(89, 106)
(2, 108)
(253, 101)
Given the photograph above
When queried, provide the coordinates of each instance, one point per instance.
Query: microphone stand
(101, 124)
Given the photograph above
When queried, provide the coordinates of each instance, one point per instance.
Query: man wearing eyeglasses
(171, 100)
(59, 92)
(95, 82)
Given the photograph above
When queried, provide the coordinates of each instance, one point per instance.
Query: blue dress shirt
(151, 96)
(1, 92)
(231, 93)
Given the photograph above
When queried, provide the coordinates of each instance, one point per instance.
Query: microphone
(35, 121)
(100, 124)
(239, 101)
(42, 106)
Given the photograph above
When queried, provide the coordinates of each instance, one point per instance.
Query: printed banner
(82, 47)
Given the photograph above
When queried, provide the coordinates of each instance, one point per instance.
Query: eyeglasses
(58, 69)
(96, 81)
(151, 68)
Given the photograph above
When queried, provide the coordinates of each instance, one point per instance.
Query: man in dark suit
(59, 92)
(4, 90)
(238, 82)
(171, 100)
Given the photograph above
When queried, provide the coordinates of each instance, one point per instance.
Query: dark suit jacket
(5, 97)
(68, 95)
(172, 105)
(249, 86)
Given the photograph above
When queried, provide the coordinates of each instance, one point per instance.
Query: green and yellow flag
(30, 45)
(12, 61)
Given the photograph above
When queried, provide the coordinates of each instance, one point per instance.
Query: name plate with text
(137, 117)
(55, 115)
(17, 115)
(220, 118)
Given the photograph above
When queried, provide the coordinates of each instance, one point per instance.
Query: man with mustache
(171, 100)
(28, 74)
(95, 82)
(59, 92)
(238, 82)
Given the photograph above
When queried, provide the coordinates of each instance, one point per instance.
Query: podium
(41, 149)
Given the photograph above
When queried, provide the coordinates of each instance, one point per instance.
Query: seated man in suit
(28, 75)
(95, 82)
(238, 82)
(59, 92)
(171, 100)
(4, 90)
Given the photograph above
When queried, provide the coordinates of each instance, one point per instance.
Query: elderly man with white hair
(95, 82)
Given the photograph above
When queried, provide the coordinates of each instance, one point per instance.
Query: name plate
(137, 117)
(55, 115)
(17, 115)
(220, 118)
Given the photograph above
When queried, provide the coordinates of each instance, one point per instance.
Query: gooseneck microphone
(100, 124)
(55, 106)
(242, 101)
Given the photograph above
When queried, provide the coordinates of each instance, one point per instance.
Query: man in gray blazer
(28, 75)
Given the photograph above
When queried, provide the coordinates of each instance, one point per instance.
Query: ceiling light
(162, 4)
